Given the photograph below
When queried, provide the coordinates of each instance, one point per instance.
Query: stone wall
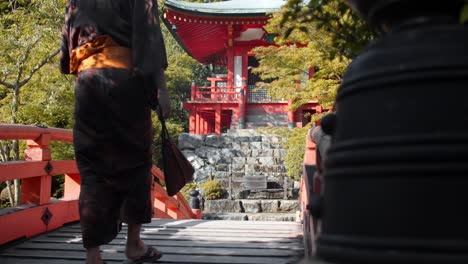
(234, 155)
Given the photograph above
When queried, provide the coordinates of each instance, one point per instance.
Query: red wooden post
(197, 122)
(37, 190)
(214, 92)
(192, 122)
(319, 109)
(197, 213)
(311, 72)
(72, 187)
(230, 58)
(218, 119)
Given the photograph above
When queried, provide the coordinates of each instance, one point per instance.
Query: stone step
(288, 217)
(241, 132)
(251, 206)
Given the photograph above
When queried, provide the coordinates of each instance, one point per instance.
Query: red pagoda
(224, 33)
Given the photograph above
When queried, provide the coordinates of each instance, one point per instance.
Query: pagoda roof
(202, 29)
(228, 8)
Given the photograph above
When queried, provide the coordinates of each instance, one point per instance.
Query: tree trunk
(10, 196)
(14, 110)
(5, 151)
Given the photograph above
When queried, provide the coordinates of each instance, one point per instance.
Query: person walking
(116, 50)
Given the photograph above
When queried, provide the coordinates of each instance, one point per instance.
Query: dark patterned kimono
(112, 131)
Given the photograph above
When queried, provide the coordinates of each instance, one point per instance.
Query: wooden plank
(28, 169)
(211, 237)
(181, 241)
(19, 260)
(28, 222)
(194, 233)
(43, 256)
(218, 224)
(195, 229)
(224, 223)
(296, 246)
(195, 249)
(21, 169)
(34, 132)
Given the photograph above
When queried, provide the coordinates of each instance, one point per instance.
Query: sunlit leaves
(349, 34)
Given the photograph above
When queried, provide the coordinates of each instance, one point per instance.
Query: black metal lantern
(396, 180)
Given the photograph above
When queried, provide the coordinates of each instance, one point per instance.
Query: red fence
(212, 93)
(307, 188)
(37, 212)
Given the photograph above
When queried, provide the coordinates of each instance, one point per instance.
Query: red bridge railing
(307, 190)
(38, 212)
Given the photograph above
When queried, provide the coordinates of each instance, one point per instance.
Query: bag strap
(162, 120)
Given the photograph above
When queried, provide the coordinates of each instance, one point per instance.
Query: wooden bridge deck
(181, 241)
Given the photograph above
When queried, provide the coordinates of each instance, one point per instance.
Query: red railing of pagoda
(307, 188)
(38, 212)
(212, 93)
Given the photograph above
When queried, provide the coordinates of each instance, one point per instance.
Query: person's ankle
(93, 256)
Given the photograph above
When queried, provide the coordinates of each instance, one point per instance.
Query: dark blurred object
(386, 14)
(397, 172)
(328, 123)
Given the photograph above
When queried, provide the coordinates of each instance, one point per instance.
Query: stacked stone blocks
(229, 157)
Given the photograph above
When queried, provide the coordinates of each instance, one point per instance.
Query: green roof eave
(227, 8)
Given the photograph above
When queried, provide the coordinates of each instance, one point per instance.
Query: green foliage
(349, 34)
(212, 189)
(28, 35)
(295, 146)
(48, 100)
(464, 14)
(4, 204)
(174, 130)
(319, 34)
(327, 35)
(10, 5)
(295, 156)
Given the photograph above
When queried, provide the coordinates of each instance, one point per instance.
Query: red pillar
(204, 128)
(197, 122)
(311, 72)
(192, 122)
(218, 119)
(230, 58)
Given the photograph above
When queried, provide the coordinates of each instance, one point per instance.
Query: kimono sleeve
(64, 47)
(149, 52)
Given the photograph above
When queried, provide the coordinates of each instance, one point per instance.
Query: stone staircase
(234, 157)
(251, 210)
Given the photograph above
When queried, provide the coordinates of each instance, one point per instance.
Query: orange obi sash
(102, 52)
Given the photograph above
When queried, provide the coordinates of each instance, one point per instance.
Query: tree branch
(23, 60)
(9, 85)
(38, 66)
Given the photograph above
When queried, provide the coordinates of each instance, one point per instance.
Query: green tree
(324, 35)
(28, 30)
(348, 33)
(321, 34)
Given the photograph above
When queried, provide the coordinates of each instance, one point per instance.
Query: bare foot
(93, 256)
(142, 252)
